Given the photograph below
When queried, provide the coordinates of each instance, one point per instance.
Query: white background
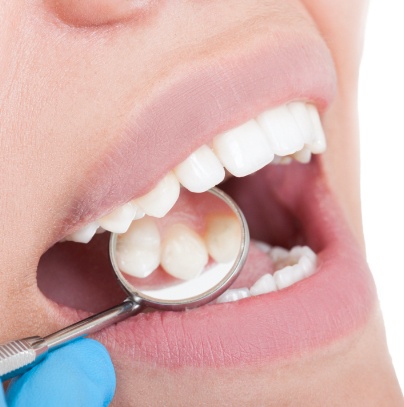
(381, 112)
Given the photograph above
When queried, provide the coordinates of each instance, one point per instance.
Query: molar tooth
(183, 252)
(138, 250)
(263, 246)
(302, 117)
(201, 171)
(281, 130)
(161, 198)
(319, 144)
(265, 284)
(233, 295)
(119, 220)
(244, 149)
(84, 235)
(222, 237)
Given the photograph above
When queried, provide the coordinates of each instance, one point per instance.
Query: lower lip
(331, 304)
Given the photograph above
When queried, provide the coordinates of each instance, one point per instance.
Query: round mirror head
(186, 258)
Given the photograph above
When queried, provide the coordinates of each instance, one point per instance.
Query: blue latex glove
(78, 374)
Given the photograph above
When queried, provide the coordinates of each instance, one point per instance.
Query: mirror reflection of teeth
(291, 266)
(280, 135)
(182, 252)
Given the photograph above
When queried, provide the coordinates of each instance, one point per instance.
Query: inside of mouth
(81, 276)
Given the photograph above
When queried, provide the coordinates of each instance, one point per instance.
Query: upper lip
(194, 104)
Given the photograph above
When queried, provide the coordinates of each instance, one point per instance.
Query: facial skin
(69, 80)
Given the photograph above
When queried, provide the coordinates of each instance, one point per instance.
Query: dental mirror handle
(18, 356)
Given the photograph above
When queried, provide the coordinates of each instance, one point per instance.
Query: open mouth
(305, 282)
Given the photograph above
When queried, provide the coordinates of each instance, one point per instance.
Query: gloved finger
(2, 399)
(78, 374)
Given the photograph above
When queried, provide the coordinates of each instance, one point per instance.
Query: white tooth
(289, 275)
(319, 144)
(302, 117)
(303, 155)
(262, 246)
(138, 250)
(285, 277)
(84, 235)
(139, 214)
(222, 237)
(183, 252)
(243, 150)
(281, 130)
(233, 295)
(278, 254)
(161, 198)
(119, 220)
(263, 285)
(307, 266)
(201, 171)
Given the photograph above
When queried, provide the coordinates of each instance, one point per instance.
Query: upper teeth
(291, 130)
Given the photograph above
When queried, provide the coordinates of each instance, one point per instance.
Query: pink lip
(328, 305)
(195, 104)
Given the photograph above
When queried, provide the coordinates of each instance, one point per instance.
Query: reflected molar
(138, 250)
(222, 237)
(183, 252)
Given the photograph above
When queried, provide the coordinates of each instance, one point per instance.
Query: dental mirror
(210, 225)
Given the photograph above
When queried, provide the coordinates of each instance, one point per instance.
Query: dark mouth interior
(80, 275)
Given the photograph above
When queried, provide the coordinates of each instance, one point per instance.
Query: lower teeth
(290, 267)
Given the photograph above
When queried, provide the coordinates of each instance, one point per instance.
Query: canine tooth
(233, 295)
(263, 285)
(319, 144)
(244, 149)
(161, 198)
(119, 220)
(281, 130)
(303, 155)
(183, 252)
(84, 235)
(302, 117)
(222, 237)
(201, 171)
(138, 250)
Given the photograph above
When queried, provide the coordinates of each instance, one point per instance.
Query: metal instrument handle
(16, 357)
